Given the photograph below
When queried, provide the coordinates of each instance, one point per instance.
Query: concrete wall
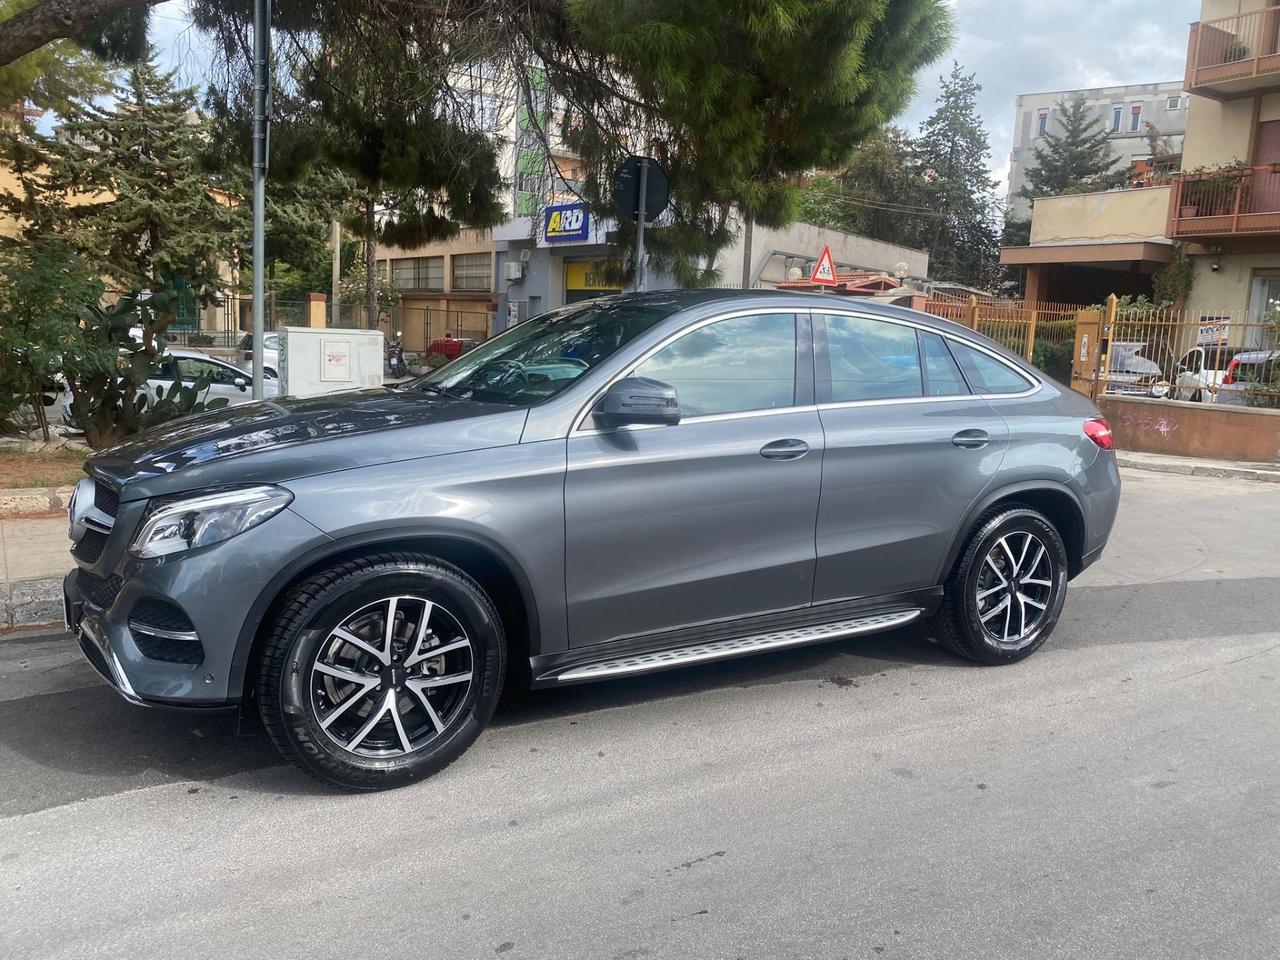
(1193, 429)
(1112, 215)
(1213, 9)
(1227, 291)
(804, 240)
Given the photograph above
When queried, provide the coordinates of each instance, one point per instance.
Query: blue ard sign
(566, 222)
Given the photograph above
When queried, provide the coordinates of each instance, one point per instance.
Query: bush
(1054, 358)
(109, 371)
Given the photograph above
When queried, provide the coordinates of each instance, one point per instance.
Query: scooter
(395, 357)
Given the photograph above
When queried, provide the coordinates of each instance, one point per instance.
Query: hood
(275, 440)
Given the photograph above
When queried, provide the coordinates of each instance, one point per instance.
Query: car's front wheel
(1006, 593)
(381, 671)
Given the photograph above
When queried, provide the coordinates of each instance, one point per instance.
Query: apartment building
(451, 287)
(1124, 112)
(1223, 207)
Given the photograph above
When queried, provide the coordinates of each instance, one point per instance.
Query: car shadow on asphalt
(67, 745)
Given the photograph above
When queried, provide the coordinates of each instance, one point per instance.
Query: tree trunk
(370, 274)
(746, 253)
(51, 20)
(271, 284)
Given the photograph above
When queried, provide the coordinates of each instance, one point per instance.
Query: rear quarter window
(985, 373)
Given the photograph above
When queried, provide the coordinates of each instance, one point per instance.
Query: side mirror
(637, 400)
(241, 384)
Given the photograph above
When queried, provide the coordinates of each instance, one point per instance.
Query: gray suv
(621, 486)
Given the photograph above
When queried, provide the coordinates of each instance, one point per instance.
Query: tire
(327, 659)
(971, 621)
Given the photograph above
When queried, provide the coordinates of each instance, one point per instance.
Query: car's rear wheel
(1006, 593)
(381, 671)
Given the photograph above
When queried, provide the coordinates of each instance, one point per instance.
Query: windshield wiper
(441, 391)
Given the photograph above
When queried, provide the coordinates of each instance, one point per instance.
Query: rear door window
(942, 376)
(872, 359)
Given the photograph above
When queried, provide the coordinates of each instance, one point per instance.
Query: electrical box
(513, 270)
(318, 361)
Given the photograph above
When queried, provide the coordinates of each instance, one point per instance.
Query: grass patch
(59, 468)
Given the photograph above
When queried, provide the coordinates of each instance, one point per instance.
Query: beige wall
(1226, 291)
(1217, 133)
(1109, 216)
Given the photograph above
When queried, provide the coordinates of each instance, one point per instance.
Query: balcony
(1234, 57)
(1229, 202)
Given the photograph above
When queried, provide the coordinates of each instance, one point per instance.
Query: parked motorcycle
(395, 357)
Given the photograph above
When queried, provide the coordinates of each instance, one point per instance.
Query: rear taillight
(1232, 367)
(1099, 431)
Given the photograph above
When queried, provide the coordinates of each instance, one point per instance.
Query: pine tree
(954, 153)
(124, 185)
(1075, 158)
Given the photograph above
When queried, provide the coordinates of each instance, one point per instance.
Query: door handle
(971, 439)
(790, 449)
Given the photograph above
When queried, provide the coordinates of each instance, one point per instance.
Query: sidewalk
(34, 557)
(1199, 467)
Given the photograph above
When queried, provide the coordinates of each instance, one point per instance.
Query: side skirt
(737, 638)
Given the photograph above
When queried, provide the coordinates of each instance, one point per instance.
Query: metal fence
(1042, 332)
(1202, 355)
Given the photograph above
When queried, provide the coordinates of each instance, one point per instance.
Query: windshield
(538, 359)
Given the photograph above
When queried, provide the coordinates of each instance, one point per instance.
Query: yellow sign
(589, 275)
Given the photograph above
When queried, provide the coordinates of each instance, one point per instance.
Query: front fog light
(176, 525)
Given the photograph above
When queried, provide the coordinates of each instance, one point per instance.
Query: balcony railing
(1235, 56)
(1227, 202)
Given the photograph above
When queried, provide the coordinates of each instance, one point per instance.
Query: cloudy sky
(1014, 46)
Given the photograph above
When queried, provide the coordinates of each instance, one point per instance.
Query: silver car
(622, 486)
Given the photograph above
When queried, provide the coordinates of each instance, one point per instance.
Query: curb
(1200, 470)
(25, 501)
(30, 603)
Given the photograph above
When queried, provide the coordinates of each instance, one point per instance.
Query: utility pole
(261, 97)
(641, 214)
(335, 309)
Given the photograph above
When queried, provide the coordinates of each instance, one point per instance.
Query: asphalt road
(1118, 795)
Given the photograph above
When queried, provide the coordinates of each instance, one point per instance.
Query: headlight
(178, 525)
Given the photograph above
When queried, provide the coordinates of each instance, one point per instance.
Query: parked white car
(1202, 370)
(187, 366)
(270, 352)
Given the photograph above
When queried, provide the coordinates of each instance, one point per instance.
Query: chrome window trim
(1036, 383)
(675, 335)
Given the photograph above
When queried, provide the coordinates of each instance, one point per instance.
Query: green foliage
(737, 100)
(108, 371)
(954, 151)
(1076, 156)
(42, 290)
(124, 186)
(1054, 356)
(1171, 284)
(353, 284)
(881, 193)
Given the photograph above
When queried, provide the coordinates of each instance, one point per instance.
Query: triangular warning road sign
(825, 272)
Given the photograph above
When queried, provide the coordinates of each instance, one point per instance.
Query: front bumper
(210, 590)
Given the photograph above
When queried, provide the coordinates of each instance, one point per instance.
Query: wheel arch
(1056, 501)
(490, 564)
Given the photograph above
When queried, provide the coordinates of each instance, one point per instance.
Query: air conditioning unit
(513, 270)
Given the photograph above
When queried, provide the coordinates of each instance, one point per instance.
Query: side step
(735, 647)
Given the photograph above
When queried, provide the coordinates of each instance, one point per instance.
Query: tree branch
(51, 20)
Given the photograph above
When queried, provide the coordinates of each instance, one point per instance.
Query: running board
(735, 647)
